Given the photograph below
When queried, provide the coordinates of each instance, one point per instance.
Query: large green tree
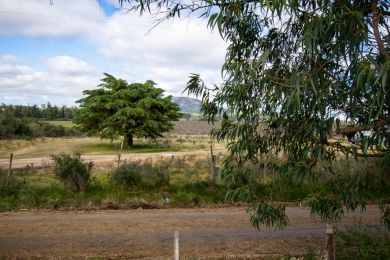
(117, 108)
(293, 70)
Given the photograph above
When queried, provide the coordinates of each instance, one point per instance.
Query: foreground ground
(205, 233)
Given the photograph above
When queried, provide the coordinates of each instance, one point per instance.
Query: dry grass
(91, 145)
(63, 123)
(193, 127)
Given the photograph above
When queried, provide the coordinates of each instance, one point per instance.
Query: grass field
(182, 127)
(187, 135)
(63, 123)
(93, 145)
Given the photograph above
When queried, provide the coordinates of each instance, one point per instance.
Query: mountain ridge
(188, 105)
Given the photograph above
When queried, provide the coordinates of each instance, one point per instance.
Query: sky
(52, 52)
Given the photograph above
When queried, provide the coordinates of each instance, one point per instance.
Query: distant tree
(186, 116)
(7, 124)
(35, 112)
(118, 108)
(47, 112)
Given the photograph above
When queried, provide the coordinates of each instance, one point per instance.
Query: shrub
(74, 172)
(128, 174)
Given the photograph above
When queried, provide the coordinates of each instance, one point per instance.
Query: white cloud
(37, 18)
(54, 83)
(167, 54)
(11, 59)
(66, 65)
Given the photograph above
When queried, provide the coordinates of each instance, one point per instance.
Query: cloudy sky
(51, 53)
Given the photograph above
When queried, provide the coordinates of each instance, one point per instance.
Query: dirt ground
(19, 163)
(205, 233)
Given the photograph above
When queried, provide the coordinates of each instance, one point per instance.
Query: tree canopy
(117, 108)
(293, 72)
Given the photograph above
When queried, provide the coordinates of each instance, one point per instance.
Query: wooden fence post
(213, 168)
(10, 169)
(119, 161)
(44, 164)
(176, 245)
(330, 252)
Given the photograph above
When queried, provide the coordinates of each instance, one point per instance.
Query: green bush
(128, 174)
(74, 172)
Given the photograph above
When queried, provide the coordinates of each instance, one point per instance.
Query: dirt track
(19, 163)
(205, 233)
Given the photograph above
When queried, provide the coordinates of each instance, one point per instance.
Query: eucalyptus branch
(366, 127)
(375, 25)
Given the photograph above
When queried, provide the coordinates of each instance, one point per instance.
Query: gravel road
(205, 233)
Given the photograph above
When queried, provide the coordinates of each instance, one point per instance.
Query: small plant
(128, 174)
(74, 172)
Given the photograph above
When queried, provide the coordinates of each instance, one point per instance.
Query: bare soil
(205, 233)
(19, 163)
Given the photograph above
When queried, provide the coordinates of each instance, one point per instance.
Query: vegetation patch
(362, 243)
(171, 182)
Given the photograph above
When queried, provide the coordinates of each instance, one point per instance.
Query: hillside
(188, 105)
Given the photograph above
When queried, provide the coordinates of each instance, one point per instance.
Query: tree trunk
(129, 140)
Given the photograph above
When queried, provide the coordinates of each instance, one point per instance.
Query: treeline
(28, 127)
(45, 112)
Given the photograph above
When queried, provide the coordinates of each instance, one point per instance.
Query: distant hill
(188, 105)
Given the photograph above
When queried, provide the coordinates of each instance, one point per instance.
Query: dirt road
(205, 233)
(19, 163)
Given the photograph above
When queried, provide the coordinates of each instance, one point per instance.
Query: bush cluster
(128, 175)
(160, 173)
(74, 172)
(136, 174)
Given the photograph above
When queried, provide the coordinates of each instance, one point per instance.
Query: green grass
(104, 148)
(46, 192)
(182, 127)
(184, 179)
(33, 189)
(63, 123)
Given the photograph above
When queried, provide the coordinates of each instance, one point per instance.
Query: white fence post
(176, 245)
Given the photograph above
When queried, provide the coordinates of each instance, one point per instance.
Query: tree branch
(375, 26)
(353, 129)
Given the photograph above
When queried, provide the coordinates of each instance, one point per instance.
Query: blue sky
(51, 53)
